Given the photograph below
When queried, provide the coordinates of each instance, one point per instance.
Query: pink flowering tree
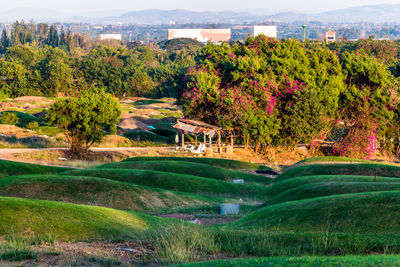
(269, 91)
(366, 105)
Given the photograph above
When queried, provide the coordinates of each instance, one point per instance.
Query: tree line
(44, 60)
(268, 92)
(282, 93)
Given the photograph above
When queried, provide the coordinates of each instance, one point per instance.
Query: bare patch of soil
(129, 253)
(132, 124)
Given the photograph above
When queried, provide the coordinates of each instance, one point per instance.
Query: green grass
(24, 118)
(222, 163)
(314, 190)
(18, 254)
(372, 212)
(178, 182)
(345, 261)
(164, 126)
(190, 168)
(141, 136)
(333, 159)
(70, 222)
(343, 169)
(289, 184)
(148, 102)
(165, 132)
(104, 261)
(48, 130)
(19, 168)
(100, 192)
(215, 210)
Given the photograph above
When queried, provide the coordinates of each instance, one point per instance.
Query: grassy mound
(333, 159)
(222, 163)
(315, 190)
(342, 169)
(165, 132)
(178, 182)
(19, 168)
(191, 168)
(372, 212)
(347, 261)
(141, 136)
(100, 192)
(24, 118)
(289, 184)
(70, 222)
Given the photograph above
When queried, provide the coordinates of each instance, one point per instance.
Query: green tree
(53, 39)
(56, 72)
(13, 79)
(85, 118)
(4, 42)
(271, 92)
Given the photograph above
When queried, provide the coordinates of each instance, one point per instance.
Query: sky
(79, 6)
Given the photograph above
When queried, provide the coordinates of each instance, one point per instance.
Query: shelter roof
(196, 127)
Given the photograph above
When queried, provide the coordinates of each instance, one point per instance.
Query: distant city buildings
(201, 35)
(110, 36)
(269, 31)
(330, 36)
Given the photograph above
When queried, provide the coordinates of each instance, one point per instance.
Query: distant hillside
(373, 13)
(376, 13)
(185, 16)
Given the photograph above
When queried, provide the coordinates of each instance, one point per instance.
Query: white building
(111, 36)
(201, 35)
(269, 31)
(330, 36)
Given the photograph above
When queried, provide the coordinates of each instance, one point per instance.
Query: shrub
(32, 125)
(8, 118)
(85, 118)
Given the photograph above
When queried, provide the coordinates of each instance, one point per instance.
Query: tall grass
(183, 243)
(17, 249)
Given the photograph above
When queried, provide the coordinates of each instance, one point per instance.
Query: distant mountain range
(375, 13)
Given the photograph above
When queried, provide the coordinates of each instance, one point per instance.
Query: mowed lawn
(371, 212)
(319, 209)
(346, 261)
(100, 192)
(18, 168)
(70, 222)
(365, 169)
(178, 182)
(222, 163)
(191, 168)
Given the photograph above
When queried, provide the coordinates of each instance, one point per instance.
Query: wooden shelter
(196, 128)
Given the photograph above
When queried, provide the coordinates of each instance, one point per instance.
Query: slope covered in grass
(178, 182)
(343, 169)
(191, 168)
(19, 168)
(330, 188)
(372, 212)
(333, 159)
(24, 118)
(288, 184)
(70, 222)
(222, 163)
(345, 261)
(100, 192)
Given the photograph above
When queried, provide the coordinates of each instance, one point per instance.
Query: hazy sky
(212, 5)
